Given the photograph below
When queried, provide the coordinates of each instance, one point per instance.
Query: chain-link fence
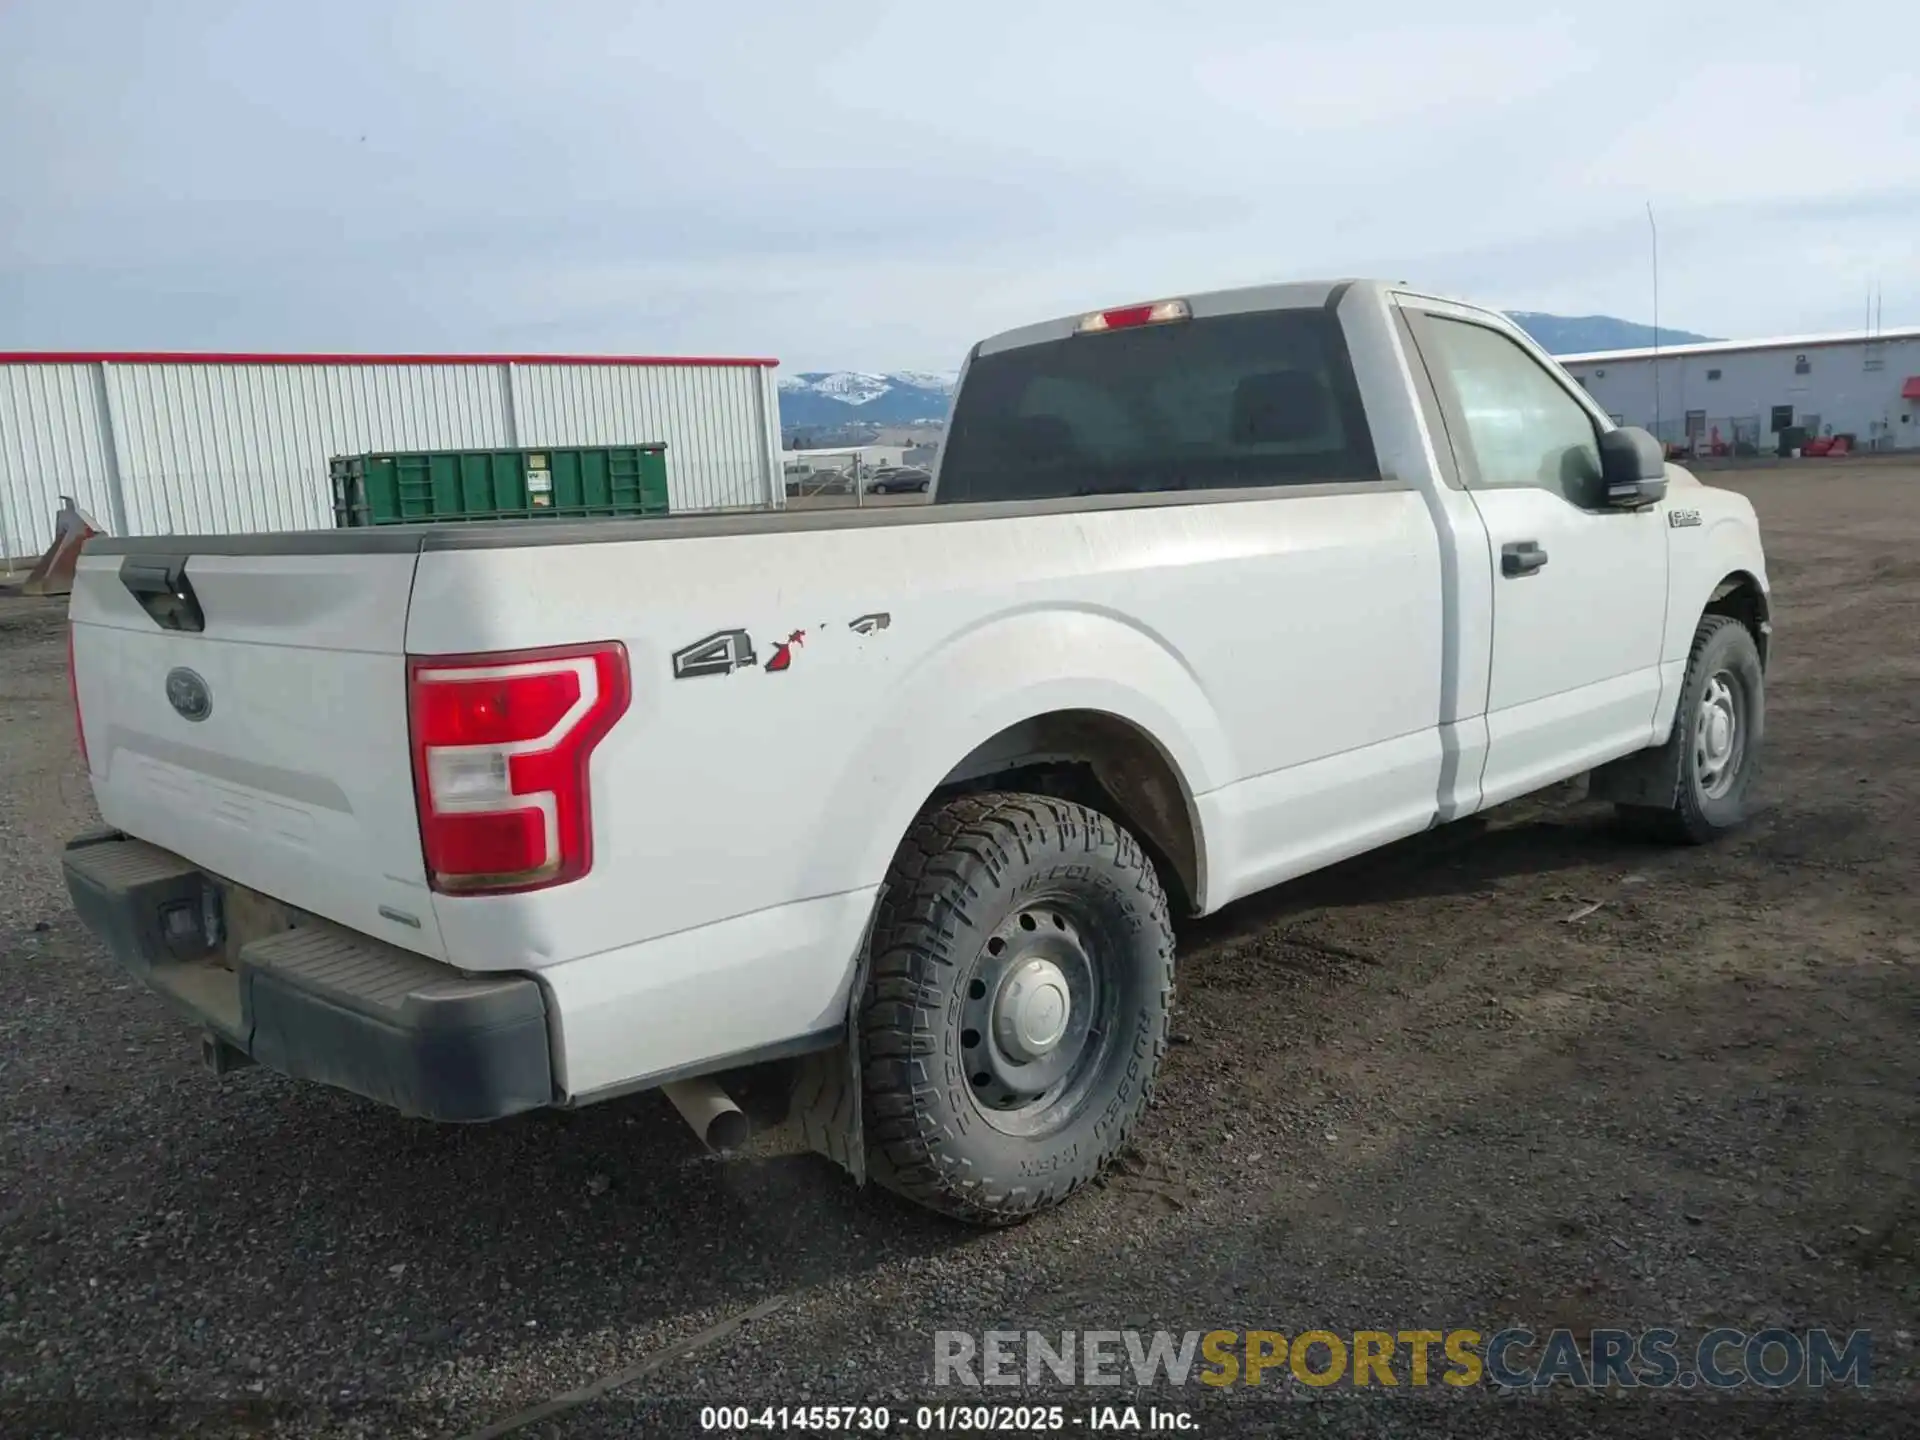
(828, 479)
(1698, 435)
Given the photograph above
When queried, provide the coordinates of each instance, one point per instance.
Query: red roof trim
(241, 357)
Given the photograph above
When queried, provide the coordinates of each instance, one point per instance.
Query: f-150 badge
(1680, 519)
(721, 653)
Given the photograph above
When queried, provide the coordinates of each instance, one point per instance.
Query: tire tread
(951, 859)
(1684, 822)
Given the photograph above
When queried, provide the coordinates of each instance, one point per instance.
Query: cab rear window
(1223, 402)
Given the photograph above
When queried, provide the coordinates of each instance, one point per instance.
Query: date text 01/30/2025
(948, 1419)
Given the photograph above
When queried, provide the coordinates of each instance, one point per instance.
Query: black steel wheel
(1017, 1007)
(1714, 747)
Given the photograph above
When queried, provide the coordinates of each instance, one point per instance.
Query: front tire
(1717, 733)
(1017, 1008)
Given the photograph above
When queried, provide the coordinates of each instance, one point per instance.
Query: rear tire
(1017, 1008)
(1717, 733)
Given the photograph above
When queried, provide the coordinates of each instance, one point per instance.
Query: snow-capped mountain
(829, 398)
(926, 380)
(841, 397)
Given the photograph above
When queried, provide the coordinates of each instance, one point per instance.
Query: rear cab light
(1126, 317)
(502, 745)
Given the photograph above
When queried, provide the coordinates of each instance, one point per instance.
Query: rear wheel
(1716, 736)
(1018, 1005)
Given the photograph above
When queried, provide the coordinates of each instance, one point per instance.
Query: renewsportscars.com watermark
(1517, 1359)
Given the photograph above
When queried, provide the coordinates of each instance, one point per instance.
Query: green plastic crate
(432, 486)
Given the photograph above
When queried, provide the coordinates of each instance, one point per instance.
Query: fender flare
(1065, 659)
(1040, 661)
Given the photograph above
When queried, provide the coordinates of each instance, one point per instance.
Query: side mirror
(1634, 466)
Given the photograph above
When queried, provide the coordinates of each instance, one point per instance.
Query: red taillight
(73, 689)
(1127, 316)
(501, 745)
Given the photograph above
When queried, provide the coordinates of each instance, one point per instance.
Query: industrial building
(867, 457)
(169, 444)
(1745, 393)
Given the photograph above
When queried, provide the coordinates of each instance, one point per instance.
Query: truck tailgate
(270, 745)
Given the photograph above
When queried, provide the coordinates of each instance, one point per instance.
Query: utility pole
(1654, 232)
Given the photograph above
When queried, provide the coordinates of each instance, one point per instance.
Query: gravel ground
(1430, 1088)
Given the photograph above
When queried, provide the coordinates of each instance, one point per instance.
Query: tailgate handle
(160, 584)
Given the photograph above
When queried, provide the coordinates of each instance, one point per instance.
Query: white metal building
(157, 444)
(1859, 384)
(868, 457)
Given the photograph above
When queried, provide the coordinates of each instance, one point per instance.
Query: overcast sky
(876, 183)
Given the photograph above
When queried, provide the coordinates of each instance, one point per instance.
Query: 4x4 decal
(725, 651)
(782, 655)
(721, 653)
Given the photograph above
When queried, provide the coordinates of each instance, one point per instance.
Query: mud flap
(826, 1093)
(1646, 777)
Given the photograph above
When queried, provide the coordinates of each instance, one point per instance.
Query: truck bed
(516, 534)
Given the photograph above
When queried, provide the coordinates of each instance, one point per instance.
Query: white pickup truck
(472, 819)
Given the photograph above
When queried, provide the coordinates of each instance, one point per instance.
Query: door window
(1522, 425)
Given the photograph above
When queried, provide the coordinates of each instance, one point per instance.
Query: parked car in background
(820, 482)
(1215, 591)
(899, 480)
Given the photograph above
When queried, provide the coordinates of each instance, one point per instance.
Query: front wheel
(1018, 1005)
(1717, 732)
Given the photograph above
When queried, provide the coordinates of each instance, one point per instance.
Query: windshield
(1264, 398)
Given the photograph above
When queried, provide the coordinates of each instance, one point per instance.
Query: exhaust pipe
(719, 1123)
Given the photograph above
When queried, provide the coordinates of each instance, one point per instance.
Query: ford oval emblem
(188, 694)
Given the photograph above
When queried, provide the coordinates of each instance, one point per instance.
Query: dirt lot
(1432, 1088)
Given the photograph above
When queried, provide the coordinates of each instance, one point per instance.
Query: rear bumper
(313, 1000)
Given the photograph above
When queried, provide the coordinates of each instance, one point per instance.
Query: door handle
(1521, 557)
